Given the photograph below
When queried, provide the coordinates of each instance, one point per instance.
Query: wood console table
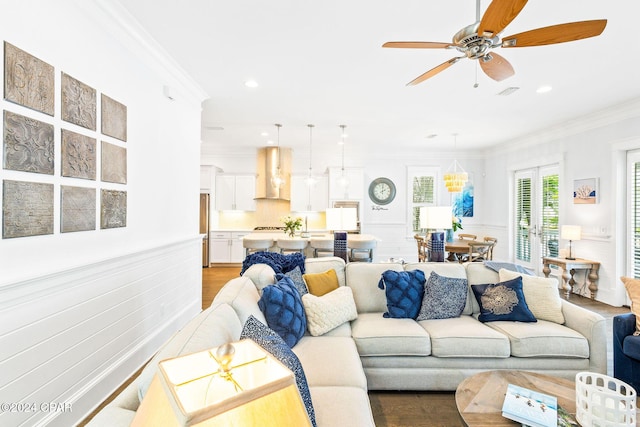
(569, 267)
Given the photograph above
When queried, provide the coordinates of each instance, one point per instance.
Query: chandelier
(455, 178)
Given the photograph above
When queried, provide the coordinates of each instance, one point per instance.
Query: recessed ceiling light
(544, 89)
(269, 142)
(251, 83)
(264, 134)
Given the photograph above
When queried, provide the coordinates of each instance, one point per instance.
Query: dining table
(456, 249)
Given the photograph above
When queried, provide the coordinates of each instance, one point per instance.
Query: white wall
(80, 312)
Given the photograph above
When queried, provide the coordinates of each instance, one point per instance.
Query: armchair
(626, 350)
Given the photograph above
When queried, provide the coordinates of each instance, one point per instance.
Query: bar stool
(361, 250)
(321, 247)
(252, 245)
(291, 245)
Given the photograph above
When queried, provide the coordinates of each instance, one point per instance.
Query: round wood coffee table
(479, 398)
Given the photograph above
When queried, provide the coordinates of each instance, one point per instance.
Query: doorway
(536, 216)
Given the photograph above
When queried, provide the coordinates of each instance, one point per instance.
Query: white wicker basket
(603, 401)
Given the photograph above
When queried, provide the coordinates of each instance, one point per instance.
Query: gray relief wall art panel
(114, 163)
(114, 118)
(113, 209)
(28, 144)
(79, 155)
(27, 209)
(28, 80)
(78, 102)
(78, 209)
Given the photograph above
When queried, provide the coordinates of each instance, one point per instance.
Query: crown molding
(605, 117)
(122, 26)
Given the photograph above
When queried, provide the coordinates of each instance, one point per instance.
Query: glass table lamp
(341, 220)
(435, 218)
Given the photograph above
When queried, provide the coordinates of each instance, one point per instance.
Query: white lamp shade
(435, 217)
(571, 232)
(342, 219)
(191, 390)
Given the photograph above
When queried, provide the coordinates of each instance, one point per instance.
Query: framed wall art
(28, 81)
(78, 155)
(28, 144)
(78, 209)
(586, 191)
(114, 163)
(113, 209)
(27, 209)
(114, 118)
(78, 102)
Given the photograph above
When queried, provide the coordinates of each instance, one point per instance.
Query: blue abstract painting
(463, 202)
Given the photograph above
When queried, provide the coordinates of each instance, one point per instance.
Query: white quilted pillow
(541, 295)
(329, 311)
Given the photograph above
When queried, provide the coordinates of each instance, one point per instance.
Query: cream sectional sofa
(376, 353)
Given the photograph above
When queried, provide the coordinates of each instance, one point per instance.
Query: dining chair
(478, 251)
(422, 248)
(463, 236)
(493, 242)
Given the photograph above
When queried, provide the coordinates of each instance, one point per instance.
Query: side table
(569, 267)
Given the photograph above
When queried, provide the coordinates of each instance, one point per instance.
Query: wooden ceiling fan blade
(498, 15)
(432, 72)
(418, 45)
(496, 67)
(556, 34)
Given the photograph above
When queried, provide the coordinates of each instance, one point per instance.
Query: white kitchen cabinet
(226, 246)
(309, 199)
(354, 188)
(235, 192)
(206, 175)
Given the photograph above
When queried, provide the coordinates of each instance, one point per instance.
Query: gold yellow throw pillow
(633, 289)
(321, 283)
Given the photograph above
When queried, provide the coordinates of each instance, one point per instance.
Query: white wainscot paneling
(72, 337)
(392, 242)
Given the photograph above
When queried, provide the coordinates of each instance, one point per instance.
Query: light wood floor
(401, 409)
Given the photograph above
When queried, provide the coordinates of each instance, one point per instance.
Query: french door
(536, 215)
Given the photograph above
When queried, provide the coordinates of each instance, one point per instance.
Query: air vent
(508, 91)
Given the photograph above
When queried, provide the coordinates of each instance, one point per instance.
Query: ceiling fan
(476, 41)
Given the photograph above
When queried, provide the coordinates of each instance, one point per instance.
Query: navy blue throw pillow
(271, 342)
(282, 307)
(503, 301)
(404, 291)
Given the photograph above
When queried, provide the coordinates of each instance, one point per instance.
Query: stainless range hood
(268, 160)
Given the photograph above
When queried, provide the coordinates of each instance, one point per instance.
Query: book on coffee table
(530, 407)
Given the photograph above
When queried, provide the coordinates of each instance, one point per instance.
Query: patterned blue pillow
(503, 301)
(271, 342)
(404, 290)
(444, 297)
(283, 309)
(296, 276)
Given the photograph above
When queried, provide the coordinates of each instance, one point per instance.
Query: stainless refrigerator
(204, 228)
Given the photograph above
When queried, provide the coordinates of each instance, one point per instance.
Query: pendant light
(277, 180)
(344, 181)
(310, 180)
(455, 178)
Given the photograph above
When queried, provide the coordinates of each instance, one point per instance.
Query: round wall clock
(382, 191)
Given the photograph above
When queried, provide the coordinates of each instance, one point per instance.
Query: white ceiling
(321, 62)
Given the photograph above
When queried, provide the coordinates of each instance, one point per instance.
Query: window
(633, 168)
(422, 182)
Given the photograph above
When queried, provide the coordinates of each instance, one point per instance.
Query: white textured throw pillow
(261, 275)
(541, 295)
(329, 311)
